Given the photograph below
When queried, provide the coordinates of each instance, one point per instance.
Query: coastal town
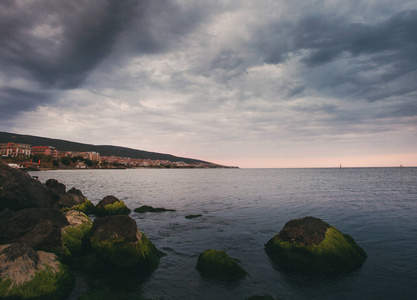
(24, 156)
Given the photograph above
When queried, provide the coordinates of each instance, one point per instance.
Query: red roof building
(45, 150)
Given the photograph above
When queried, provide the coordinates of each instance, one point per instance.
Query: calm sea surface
(243, 208)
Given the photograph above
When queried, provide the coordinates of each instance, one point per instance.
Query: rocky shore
(46, 233)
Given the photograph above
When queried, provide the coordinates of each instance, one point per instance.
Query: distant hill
(104, 150)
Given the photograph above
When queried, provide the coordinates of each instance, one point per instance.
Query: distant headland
(34, 152)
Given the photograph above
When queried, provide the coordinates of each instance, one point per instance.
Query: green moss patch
(116, 208)
(46, 284)
(73, 238)
(217, 265)
(337, 252)
(86, 207)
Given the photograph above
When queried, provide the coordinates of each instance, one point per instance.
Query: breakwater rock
(18, 190)
(309, 244)
(75, 236)
(42, 227)
(110, 206)
(117, 240)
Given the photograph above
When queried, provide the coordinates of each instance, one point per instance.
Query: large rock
(309, 244)
(110, 206)
(73, 199)
(56, 186)
(75, 235)
(117, 241)
(217, 265)
(40, 228)
(29, 274)
(18, 190)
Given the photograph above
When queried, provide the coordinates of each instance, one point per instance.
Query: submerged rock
(147, 208)
(75, 235)
(309, 244)
(29, 274)
(110, 206)
(193, 216)
(118, 242)
(217, 265)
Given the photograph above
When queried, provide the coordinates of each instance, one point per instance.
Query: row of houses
(25, 150)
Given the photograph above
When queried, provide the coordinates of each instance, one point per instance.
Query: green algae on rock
(117, 241)
(87, 207)
(75, 235)
(147, 208)
(217, 265)
(309, 244)
(29, 274)
(111, 206)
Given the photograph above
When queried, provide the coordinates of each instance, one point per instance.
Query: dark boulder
(115, 227)
(18, 190)
(118, 242)
(311, 245)
(305, 231)
(110, 206)
(217, 265)
(56, 186)
(75, 191)
(73, 199)
(40, 228)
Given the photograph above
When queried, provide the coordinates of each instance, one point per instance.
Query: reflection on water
(243, 208)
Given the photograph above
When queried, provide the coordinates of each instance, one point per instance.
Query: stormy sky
(249, 83)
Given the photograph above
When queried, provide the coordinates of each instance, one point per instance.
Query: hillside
(104, 150)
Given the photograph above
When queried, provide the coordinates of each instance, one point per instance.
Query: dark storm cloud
(55, 45)
(12, 100)
(388, 49)
(59, 43)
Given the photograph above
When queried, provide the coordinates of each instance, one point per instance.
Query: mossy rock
(75, 236)
(147, 208)
(111, 206)
(29, 274)
(311, 245)
(86, 207)
(217, 265)
(118, 242)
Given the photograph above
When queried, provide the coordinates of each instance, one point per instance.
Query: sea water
(243, 208)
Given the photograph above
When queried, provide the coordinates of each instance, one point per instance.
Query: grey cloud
(377, 54)
(12, 100)
(59, 43)
(56, 45)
